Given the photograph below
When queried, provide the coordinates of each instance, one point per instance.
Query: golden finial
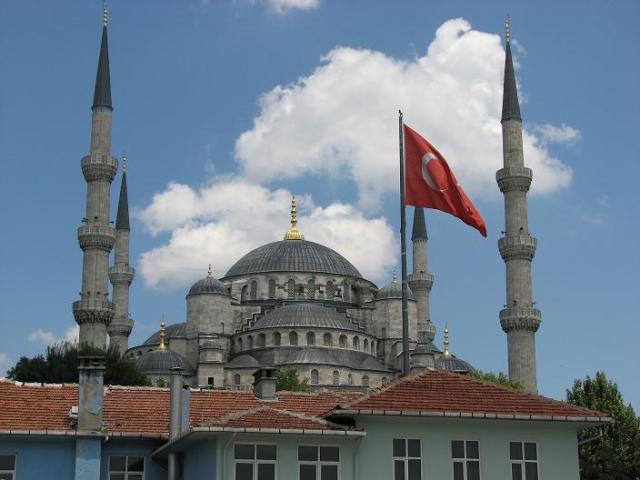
(210, 272)
(162, 335)
(124, 163)
(507, 30)
(294, 233)
(446, 352)
(105, 14)
(394, 279)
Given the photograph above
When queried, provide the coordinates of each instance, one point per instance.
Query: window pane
(473, 470)
(244, 452)
(244, 471)
(531, 470)
(457, 449)
(307, 472)
(458, 471)
(135, 464)
(399, 449)
(307, 453)
(266, 452)
(515, 451)
(112, 476)
(137, 476)
(329, 472)
(266, 471)
(398, 470)
(7, 462)
(472, 450)
(329, 454)
(415, 467)
(530, 452)
(414, 448)
(117, 464)
(516, 471)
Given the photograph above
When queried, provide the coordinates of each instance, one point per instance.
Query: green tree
(288, 380)
(611, 452)
(497, 378)
(59, 364)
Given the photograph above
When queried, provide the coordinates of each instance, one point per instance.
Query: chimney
(264, 384)
(175, 419)
(90, 393)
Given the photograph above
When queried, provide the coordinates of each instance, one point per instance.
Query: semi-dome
(305, 315)
(393, 290)
(293, 256)
(160, 362)
(177, 330)
(208, 284)
(453, 364)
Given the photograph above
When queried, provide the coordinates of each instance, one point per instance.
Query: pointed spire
(210, 272)
(294, 233)
(122, 216)
(102, 94)
(419, 226)
(163, 333)
(394, 279)
(446, 352)
(510, 104)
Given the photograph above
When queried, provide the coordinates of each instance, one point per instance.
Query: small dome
(160, 362)
(207, 285)
(305, 315)
(453, 364)
(393, 290)
(241, 361)
(177, 330)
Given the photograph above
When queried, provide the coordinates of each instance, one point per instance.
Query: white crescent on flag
(426, 176)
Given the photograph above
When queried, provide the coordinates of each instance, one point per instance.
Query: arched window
(276, 339)
(291, 288)
(293, 338)
(356, 343)
(329, 290)
(336, 377)
(311, 338)
(347, 291)
(342, 341)
(262, 340)
(311, 289)
(222, 327)
(244, 293)
(236, 379)
(239, 344)
(314, 377)
(250, 342)
(384, 380)
(365, 345)
(350, 379)
(254, 290)
(327, 340)
(365, 380)
(272, 288)
(384, 333)
(373, 347)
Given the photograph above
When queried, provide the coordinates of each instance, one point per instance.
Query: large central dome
(293, 256)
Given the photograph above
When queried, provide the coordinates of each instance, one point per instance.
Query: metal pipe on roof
(175, 420)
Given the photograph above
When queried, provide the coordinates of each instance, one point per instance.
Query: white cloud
(341, 120)
(562, 134)
(46, 337)
(284, 6)
(225, 219)
(5, 361)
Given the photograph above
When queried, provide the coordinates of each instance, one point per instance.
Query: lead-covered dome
(393, 290)
(177, 330)
(208, 284)
(293, 256)
(160, 362)
(305, 315)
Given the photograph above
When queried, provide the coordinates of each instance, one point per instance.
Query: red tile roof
(268, 417)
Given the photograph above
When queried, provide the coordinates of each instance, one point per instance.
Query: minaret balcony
(420, 281)
(520, 318)
(512, 179)
(101, 237)
(99, 167)
(93, 311)
(120, 327)
(517, 247)
(121, 273)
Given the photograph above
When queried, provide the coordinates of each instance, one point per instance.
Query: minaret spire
(102, 93)
(518, 319)
(293, 233)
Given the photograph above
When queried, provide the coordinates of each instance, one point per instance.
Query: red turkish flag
(430, 183)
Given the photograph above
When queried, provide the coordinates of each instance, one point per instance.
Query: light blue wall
(41, 457)
(88, 458)
(142, 448)
(200, 461)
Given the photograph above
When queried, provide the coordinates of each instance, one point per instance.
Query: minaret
(421, 280)
(121, 274)
(93, 312)
(518, 319)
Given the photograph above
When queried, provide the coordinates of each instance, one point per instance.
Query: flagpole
(403, 255)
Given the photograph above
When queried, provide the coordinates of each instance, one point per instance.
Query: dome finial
(507, 30)
(294, 233)
(124, 163)
(162, 335)
(446, 352)
(210, 272)
(105, 14)
(394, 279)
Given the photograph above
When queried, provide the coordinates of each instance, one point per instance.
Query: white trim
(13, 472)
(465, 460)
(523, 462)
(406, 458)
(255, 461)
(319, 463)
(126, 471)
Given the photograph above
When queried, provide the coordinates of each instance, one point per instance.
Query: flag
(430, 183)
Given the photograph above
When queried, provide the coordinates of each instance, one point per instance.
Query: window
(384, 380)
(272, 288)
(311, 289)
(250, 342)
(350, 379)
(373, 347)
(365, 345)
(239, 344)
(336, 377)
(365, 380)
(262, 340)
(277, 339)
(329, 290)
(291, 288)
(7, 467)
(327, 340)
(356, 343)
(524, 460)
(123, 467)
(342, 341)
(466, 459)
(407, 463)
(236, 379)
(314, 377)
(318, 463)
(311, 338)
(244, 293)
(254, 461)
(210, 381)
(254, 290)
(293, 338)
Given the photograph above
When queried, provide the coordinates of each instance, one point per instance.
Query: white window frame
(406, 458)
(126, 473)
(524, 461)
(466, 459)
(318, 463)
(15, 465)
(255, 462)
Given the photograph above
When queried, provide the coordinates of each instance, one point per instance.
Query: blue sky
(226, 108)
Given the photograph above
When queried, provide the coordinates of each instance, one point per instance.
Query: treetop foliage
(288, 380)
(497, 378)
